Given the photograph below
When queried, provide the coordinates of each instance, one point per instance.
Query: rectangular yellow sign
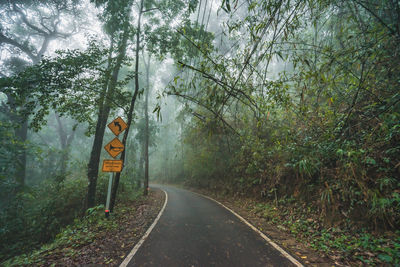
(112, 165)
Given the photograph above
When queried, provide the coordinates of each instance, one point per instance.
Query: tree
(116, 16)
(169, 10)
(65, 141)
(132, 103)
(23, 25)
(147, 134)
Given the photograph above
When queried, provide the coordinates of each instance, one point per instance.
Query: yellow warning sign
(114, 147)
(117, 126)
(112, 165)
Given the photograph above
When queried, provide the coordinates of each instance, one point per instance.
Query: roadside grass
(346, 244)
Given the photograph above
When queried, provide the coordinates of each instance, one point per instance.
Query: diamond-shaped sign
(114, 147)
(117, 126)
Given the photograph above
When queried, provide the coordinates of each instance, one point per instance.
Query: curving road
(195, 231)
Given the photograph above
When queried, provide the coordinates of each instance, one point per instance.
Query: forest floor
(93, 241)
(301, 232)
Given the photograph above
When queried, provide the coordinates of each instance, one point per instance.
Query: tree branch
(25, 20)
(380, 20)
(23, 48)
(225, 86)
(191, 99)
(150, 9)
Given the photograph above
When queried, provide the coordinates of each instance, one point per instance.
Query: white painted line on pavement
(266, 238)
(141, 241)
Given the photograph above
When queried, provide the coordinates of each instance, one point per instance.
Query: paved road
(195, 231)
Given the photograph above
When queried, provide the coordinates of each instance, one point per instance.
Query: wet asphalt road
(195, 231)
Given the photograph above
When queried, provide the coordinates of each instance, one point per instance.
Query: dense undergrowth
(80, 232)
(345, 181)
(77, 237)
(308, 108)
(36, 215)
(343, 243)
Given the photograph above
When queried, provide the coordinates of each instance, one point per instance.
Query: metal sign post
(110, 180)
(114, 148)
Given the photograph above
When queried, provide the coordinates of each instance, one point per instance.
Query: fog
(286, 101)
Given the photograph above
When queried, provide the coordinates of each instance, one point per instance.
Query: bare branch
(25, 20)
(23, 48)
(193, 100)
(150, 9)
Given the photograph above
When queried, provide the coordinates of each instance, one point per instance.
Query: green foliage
(114, 14)
(11, 148)
(191, 40)
(304, 222)
(153, 131)
(81, 232)
(68, 83)
(321, 125)
(34, 216)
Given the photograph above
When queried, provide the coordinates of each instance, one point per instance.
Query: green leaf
(385, 258)
(370, 161)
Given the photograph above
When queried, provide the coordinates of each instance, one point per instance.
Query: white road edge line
(144, 237)
(272, 243)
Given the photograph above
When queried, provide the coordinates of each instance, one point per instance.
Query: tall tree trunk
(146, 132)
(182, 153)
(104, 110)
(131, 108)
(22, 134)
(141, 164)
(65, 142)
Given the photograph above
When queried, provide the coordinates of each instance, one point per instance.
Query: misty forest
(289, 108)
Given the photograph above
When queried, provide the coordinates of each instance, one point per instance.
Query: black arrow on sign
(116, 124)
(115, 147)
